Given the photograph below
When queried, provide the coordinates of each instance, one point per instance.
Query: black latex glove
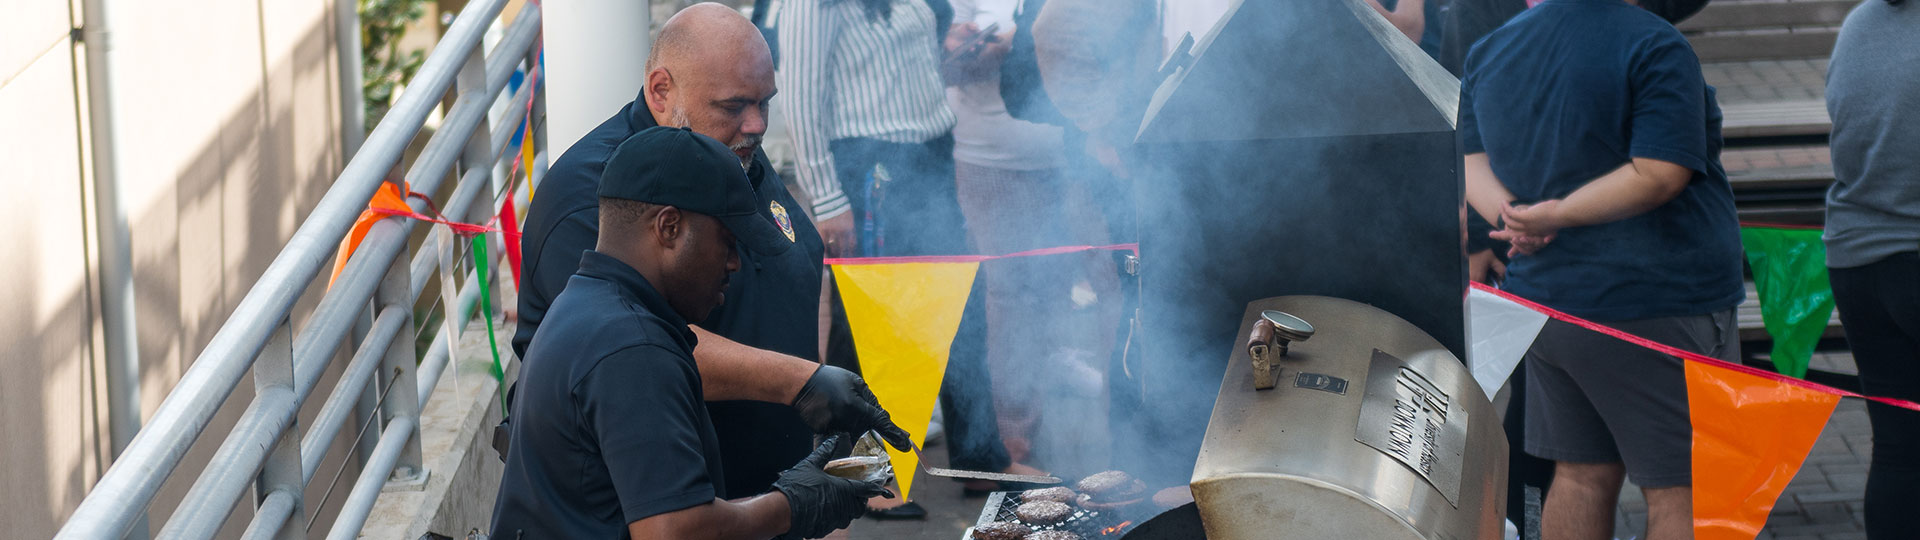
(820, 503)
(836, 401)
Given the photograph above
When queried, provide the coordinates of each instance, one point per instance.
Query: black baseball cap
(695, 173)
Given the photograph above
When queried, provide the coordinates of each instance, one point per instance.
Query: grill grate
(1089, 524)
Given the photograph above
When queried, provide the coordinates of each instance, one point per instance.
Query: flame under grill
(1089, 524)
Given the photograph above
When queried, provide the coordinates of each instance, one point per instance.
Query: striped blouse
(843, 74)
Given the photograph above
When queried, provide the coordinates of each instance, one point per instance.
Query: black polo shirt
(609, 426)
(772, 302)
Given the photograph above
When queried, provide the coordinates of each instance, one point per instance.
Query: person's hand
(1522, 244)
(820, 503)
(958, 35)
(1529, 227)
(1540, 219)
(837, 401)
(837, 232)
(1484, 266)
(969, 61)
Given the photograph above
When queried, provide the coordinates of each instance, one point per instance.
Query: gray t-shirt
(1873, 93)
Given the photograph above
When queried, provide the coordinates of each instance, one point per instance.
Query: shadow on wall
(199, 245)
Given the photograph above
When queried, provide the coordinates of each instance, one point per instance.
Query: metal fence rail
(266, 452)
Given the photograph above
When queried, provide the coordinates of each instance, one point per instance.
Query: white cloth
(984, 134)
(1500, 333)
(843, 74)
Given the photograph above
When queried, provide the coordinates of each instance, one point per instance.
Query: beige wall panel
(232, 129)
(197, 101)
(46, 397)
(29, 29)
(229, 123)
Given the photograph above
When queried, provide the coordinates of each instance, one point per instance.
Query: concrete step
(1742, 14)
(1776, 119)
(1765, 44)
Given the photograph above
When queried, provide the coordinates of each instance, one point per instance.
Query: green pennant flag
(486, 312)
(1790, 270)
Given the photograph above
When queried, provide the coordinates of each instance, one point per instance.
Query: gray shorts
(1592, 398)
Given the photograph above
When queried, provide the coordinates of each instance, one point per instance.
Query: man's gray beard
(679, 119)
(747, 142)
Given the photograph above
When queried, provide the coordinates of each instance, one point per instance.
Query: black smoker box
(1303, 147)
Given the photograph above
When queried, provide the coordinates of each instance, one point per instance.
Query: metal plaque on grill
(1407, 417)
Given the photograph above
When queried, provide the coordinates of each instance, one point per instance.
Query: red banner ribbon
(1687, 355)
(462, 229)
(1060, 250)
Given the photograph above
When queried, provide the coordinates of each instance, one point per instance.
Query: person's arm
(731, 371)
(644, 415)
(1485, 194)
(1408, 16)
(1631, 190)
(1668, 142)
(807, 34)
(756, 518)
(828, 399)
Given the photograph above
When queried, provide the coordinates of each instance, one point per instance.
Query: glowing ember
(1116, 528)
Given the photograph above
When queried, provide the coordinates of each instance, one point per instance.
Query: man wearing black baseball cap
(611, 436)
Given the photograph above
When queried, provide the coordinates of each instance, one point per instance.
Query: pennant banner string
(849, 261)
(1690, 356)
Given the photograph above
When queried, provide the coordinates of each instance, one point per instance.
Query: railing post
(397, 374)
(365, 408)
(478, 152)
(273, 372)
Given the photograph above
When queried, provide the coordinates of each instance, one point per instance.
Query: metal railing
(264, 452)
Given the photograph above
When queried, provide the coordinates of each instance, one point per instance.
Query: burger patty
(1059, 494)
(1053, 535)
(1102, 482)
(1043, 512)
(1001, 530)
(1112, 486)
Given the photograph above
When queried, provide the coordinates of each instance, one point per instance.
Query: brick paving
(1768, 80)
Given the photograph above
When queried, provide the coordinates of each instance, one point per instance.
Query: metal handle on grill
(1268, 343)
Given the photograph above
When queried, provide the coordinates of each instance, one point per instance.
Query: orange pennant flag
(389, 198)
(1750, 436)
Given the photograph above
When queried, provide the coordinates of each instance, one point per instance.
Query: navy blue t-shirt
(1573, 89)
(609, 426)
(773, 303)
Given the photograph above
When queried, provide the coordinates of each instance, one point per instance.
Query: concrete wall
(232, 123)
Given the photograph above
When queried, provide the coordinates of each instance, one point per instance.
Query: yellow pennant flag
(903, 318)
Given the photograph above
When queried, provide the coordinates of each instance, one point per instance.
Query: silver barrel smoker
(1371, 430)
